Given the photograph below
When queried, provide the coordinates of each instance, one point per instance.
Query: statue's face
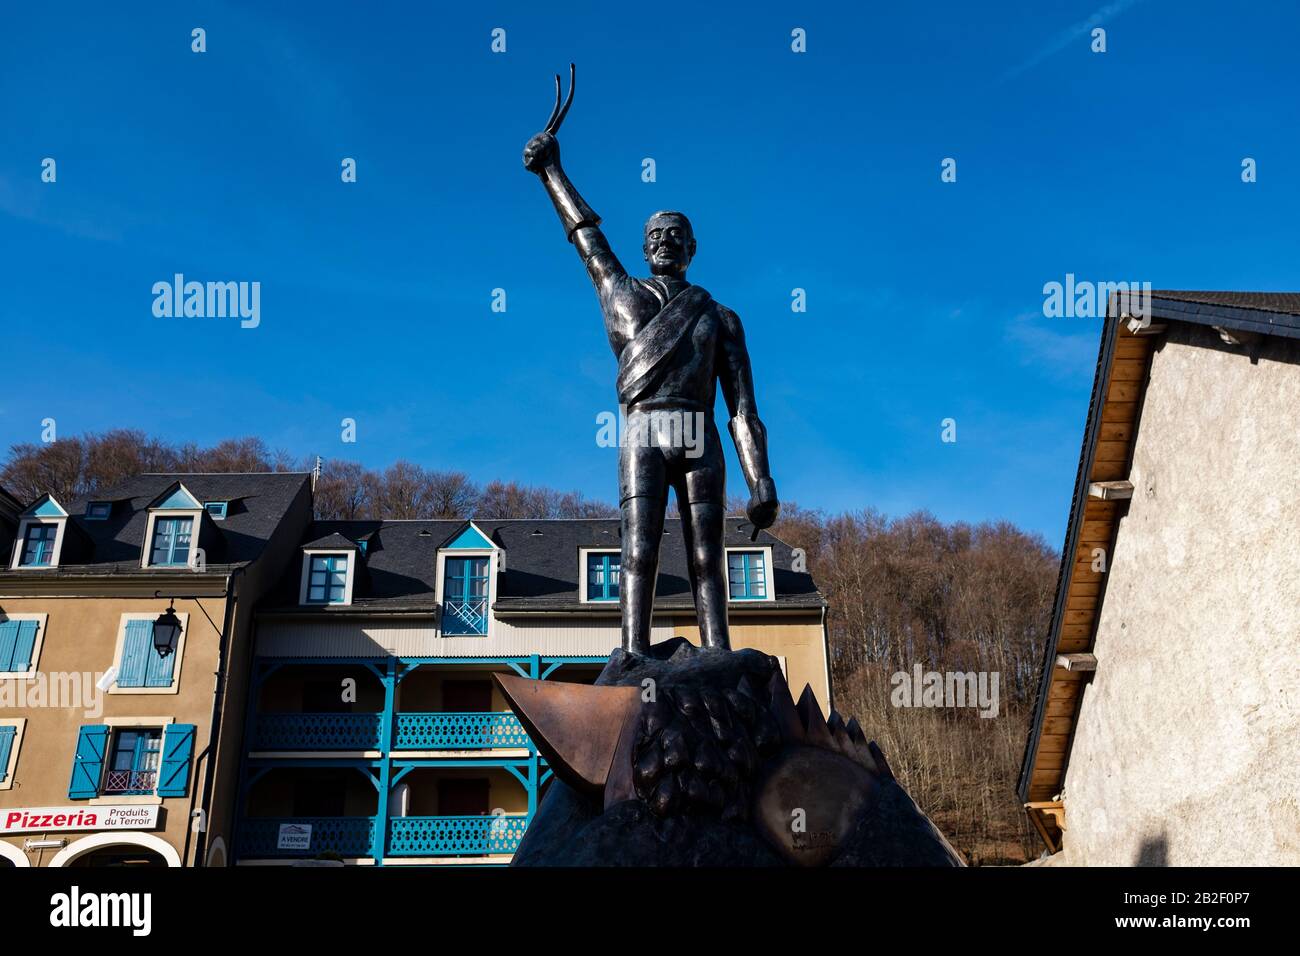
(669, 245)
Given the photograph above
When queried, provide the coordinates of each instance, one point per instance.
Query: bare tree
(913, 591)
(55, 467)
(500, 499)
(231, 455)
(345, 491)
(451, 494)
(117, 455)
(404, 491)
(571, 504)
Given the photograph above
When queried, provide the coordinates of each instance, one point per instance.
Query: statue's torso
(691, 377)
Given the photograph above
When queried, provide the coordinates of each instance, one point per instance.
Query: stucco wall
(1187, 748)
(81, 638)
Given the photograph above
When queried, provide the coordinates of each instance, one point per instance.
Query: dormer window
(171, 542)
(216, 509)
(747, 575)
(601, 575)
(465, 596)
(99, 510)
(41, 530)
(327, 578)
(469, 562)
(38, 546)
(172, 530)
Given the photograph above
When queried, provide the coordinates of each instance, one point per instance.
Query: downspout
(218, 701)
(826, 659)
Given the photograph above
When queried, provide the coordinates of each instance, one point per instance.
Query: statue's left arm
(747, 430)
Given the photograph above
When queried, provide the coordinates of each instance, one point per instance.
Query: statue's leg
(705, 557)
(643, 494)
(702, 506)
(643, 530)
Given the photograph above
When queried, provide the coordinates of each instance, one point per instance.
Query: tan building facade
(107, 730)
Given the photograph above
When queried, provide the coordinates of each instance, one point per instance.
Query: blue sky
(818, 170)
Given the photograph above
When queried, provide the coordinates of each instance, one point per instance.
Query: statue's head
(669, 243)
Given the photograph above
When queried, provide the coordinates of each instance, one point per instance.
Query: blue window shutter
(6, 747)
(8, 643)
(23, 646)
(88, 767)
(158, 670)
(178, 749)
(136, 648)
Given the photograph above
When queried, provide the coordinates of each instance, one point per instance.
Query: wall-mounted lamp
(165, 631)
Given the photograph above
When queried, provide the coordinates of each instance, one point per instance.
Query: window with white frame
(327, 578)
(747, 575)
(39, 539)
(41, 532)
(132, 756)
(602, 575)
(172, 537)
(140, 668)
(466, 595)
(172, 531)
(132, 765)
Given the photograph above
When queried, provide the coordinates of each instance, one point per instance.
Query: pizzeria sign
(107, 817)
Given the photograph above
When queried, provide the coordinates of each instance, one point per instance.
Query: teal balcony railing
(318, 732)
(440, 731)
(308, 837)
(458, 731)
(456, 836)
(305, 837)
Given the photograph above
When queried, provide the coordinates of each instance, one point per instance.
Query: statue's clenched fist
(542, 150)
(763, 505)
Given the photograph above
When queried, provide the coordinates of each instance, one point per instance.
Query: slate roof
(1266, 313)
(541, 566)
(1284, 302)
(333, 542)
(259, 502)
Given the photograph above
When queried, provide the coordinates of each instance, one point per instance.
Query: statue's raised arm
(581, 223)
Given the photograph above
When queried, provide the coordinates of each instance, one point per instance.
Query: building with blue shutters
(124, 652)
(375, 733)
(193, 672)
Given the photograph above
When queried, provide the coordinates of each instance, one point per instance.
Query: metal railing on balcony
(458, 731)
(305, 837)
(465, 617)
(456, 836)
(318, 732)
(420, 731)
(352, 837)
(126, 782)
